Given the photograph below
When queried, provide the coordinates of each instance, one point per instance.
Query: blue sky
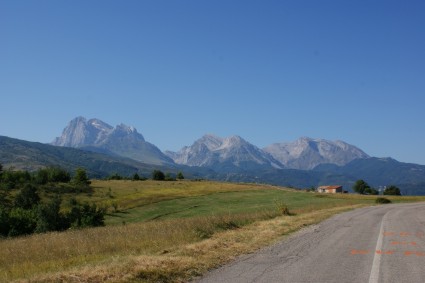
(269, 71)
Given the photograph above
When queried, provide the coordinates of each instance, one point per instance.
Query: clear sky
(269, 71)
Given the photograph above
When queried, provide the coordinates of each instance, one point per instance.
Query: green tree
(58, 175)
(371, 191)
(180, 176)
(115, 176)
(158, 175)
(8, 179)
(168, 177)
(5, 198)
(27, 198)
(86, 216)
(80, 177)
(49, 217)
(21, 221)
(392, 190)
(4, 221)
(42, 177)
(135, 177)
(361, 187)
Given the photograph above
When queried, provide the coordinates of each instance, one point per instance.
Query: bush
(168, 177)
(282, 208)
(4, 221)
(180, 176)
(86, 215)
(80, 177)
(382, 200)
(52, 174)
(392, 190)
(360, 187)
(27, 197)
(49, 217)
(115, 176)
(21, 221)
(158, 175)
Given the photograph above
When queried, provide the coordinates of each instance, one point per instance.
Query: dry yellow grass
(170, 250)
(158, 252)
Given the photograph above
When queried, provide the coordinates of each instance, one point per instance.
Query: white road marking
(374, 273)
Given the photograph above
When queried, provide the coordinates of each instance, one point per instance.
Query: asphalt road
(375, 244)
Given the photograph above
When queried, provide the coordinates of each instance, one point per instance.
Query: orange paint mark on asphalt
(359, 252)
(403, 243)
(379, 252)
(409, 253)
(404, 234)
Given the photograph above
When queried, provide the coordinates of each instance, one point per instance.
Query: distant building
(330, 189)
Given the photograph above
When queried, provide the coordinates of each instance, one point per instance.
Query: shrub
(392, 190)
(115, 176)
(382, 200)
(135, 177)
(22, 221)
(168, 177)
(49, 217)
(158, 175)
(80, 177)
(27, 197)
(282, 208)
(180, 176)
(87, 215)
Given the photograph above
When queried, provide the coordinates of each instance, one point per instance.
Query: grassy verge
(167, 251)
(180, 230)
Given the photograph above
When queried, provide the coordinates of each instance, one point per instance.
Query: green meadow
(159, 231)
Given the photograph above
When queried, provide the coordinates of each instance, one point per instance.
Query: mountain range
(122, 140)
(122, 149)
(306, 153)
(224, 155)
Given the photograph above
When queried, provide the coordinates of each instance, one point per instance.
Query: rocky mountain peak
(221, 153)
(307, 153)
(122, 130)
(78, 133)
(210, 141)
(122, 140)
(98, 124)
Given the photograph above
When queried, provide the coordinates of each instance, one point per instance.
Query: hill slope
(380, 171)
(32, 155)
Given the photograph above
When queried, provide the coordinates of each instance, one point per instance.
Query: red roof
(329, 187)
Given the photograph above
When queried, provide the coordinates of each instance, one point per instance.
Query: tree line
(156, 175)
(363, 188)
(31, 202)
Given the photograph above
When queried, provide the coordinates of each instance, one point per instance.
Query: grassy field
(168, 231)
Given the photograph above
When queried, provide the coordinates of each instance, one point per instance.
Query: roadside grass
(181, 229)
(163, 251)
(37, 254)
(356, 197)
